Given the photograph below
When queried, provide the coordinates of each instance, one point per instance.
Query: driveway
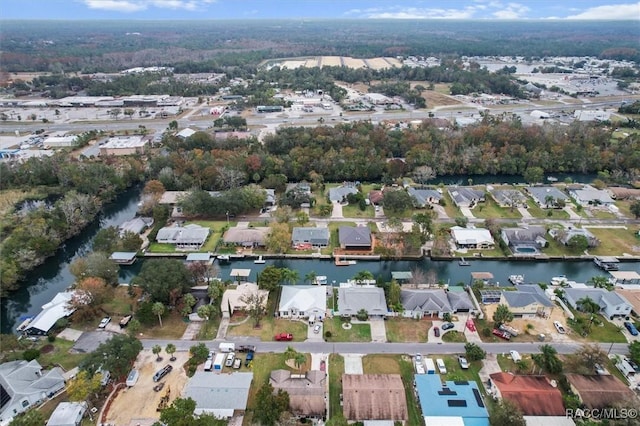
(378, 330)
(466, 212)
(489, 366)
(525, 213)
(572, 215)
(315, 337)
(353, 364)
(336, 213)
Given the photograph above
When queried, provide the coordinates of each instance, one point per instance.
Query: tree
(199, 352)
(474, 352)
(164, 280)
(506, 413)
(33, 417)
(181, 413)
(634, 351)
(533, 174)
(600, 282)
(362, 315)
(106, 240)
(394, 296)
(396, 203)
(635, 209)
(116, 355)
(97, 265)
(256, 306)
(279, 239)
(363, 276)
(156, 349)
(310, 277)
(548, 359)
(270, 405)
(425, 222)
(299, 360)
(502, 315)
(290, 276)
(586, 304)
(189, 301)
(270, 278)
(423, 174)
(302, 218)
(578, 243)
(158, 309)
(591, 354)
(133, 327)
(446, 317)
(80, 387)
(461, 221)
(171, 350)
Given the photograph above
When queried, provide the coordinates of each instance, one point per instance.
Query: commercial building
(124, 145)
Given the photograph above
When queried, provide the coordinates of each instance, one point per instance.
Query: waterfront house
(374, 397)
(367, 297)
(527, 301)
(611, 303)
(339, 194)
(247, 237)
(306, 391)
(565, 235)
(547, 196)
(472, 238)
(234, 299)
(51, 312)
(533, 395)
(355, 238)
(222, 395)
(465, 196)
(511, 198)
(137, 225)
(189, 237)
(524, 240)
(315, 237)
(302, 301)
(600, 391)
(590, 196)
(424, 197)
(418, 303)
(24, 384)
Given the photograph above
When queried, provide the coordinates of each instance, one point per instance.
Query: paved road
(386, 348)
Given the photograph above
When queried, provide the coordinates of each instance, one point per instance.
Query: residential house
(374, 397)
(433, 302)
(472, 238)
(466, 197)
(68, 414)
(511, 198)
(222, 395)
(353, 299)
(186, 133)
(452, 403)
(530, 238)
(533, 395)
(424, 197)
(233, 299)
(137, 225)
(633, 297)
(189, 237)
(24, 384)
(565, 235)
(303, 187)
(310, 236)
(600, 391)
(306, 391)
(611, 303)
(339, 194)
(355, 238)
(247, 237)
(376, 197)
(590, 196)
(546, 196)
(302, 301)
(527, 301)
(51, 312)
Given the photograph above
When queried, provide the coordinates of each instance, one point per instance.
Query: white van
(208, 365)
(441, 367)
(430, 366)
(227, 347)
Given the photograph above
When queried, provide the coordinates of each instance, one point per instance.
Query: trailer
(430, 366)
(218, 362)
(227, 347)
(132, 377)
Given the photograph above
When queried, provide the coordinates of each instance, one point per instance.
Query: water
(53, 275)
(507, 179)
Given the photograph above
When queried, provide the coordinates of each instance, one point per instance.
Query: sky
(329, 9)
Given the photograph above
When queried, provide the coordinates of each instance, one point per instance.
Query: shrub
(486, 332)
(51, 338)
(328, 334)
(30, 354)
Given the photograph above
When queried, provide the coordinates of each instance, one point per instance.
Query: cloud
(414, 13)
(512, 11)
(612, 11)
(128, 6)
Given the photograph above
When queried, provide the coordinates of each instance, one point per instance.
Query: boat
(259, 260)
(223, 258)
(320, 280)
(24, 324)
(559, 280)
(463, 262)
(552, 178)
(516, 279)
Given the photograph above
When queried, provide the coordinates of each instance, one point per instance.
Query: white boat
(463, 262)
(259, 260)
(552, 178)
(223, 258)
(320, 280)
(516, 279)
(559, 280)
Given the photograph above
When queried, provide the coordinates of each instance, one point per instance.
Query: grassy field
(454, 337)
(10, 197)
(173, 327)
(161, 248)
(539, 213)
(209, 329)
(357, 332)
(353, 210)
(381, 364)
(269, 327)
(491, 209)
(450, 208)
(603, 331)
(60, 355)
(615, 241)
(336, 370)
(413, 407)
(407, 330)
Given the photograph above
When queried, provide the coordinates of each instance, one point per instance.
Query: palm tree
(310, 277)
(158, 309)
(587, 305)
(290, 276)
(299, 360)
(171, 349)
(362, 276)
(600, 282)
(290, 353)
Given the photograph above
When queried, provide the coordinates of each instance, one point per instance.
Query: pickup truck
(502, 334)
(246, 348)
(283, 337)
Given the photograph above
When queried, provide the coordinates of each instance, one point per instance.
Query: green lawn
(605, 331)
(615, 241)
(161, 248)
(407, 330)
(413, 407)
(381, 364)
(454, 337)
(269, 327)
(539, 213)
(491, 209)
(454, 372)
(209, 329)
(450, 207)
(357, 333)
(336, 370)
(60, 355)
(353, 210)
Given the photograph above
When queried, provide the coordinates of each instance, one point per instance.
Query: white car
(317, 328)
(559, 327)
(464, 364)
(104, 322)
(230, 358)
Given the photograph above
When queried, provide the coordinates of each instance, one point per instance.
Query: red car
(323, 365)
(503, 334)
(283, 337)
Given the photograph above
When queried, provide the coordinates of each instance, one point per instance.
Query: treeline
(33, 233)
(232, 202)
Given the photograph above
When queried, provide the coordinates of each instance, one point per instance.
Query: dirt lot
(140, 401)
(541, 325)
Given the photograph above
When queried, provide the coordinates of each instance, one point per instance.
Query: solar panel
(4, 397)
(447, 391)
(456, 403)
(461, 382)
(479, 400)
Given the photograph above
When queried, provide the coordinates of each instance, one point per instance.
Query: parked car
(600, 369)
(248, 359)
(631, 328)
(211, 355)
(237, 363)
(418, 358)
(317, 328)
(436, 331)
(246, 348)
(448, 326)
(125, 321)
(323, 365)
(502, 334)
(283, 337)
(464, 364)
(559, 327)
(104, 322)
(633, 365)
(230, 358)
(162, 372)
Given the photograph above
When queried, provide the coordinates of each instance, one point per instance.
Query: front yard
(357, 332)
(491, 209)
(407, 330)
(269, 327)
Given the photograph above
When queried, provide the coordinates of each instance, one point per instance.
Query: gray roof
(198, 257)
(352, 299)
(237, 235)
(190, 234)
(67, 414)
(219, 391)
(520, 235)
(340, 193)
(423, 196)
(354, 235)
(539, 193)
(310, 234)
(135, 225)
(506, 196)
(465, 196)
(589, 194)
(426, 300)
(51, 312)
(526, 295)
(599, 295)
(271, 195)
(122, 256)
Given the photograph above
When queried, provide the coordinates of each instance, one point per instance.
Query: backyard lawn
(491, 209)
(59, 354)
(406, 330)
(357, 332)
(615, 241)
(161, 248)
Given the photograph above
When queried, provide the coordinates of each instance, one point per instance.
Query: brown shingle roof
(599, 391)
(374, 397)
(306, 392)
(533, 394)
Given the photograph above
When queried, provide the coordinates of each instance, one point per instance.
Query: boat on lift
(463, 262)
(516, 279)
(259, 260)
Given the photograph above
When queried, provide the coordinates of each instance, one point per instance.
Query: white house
(51, 312)
(472, 238)
(303, 301)
(611, 304)
(590, 196)
(222, 395)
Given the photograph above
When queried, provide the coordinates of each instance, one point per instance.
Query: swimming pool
(526, 250)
